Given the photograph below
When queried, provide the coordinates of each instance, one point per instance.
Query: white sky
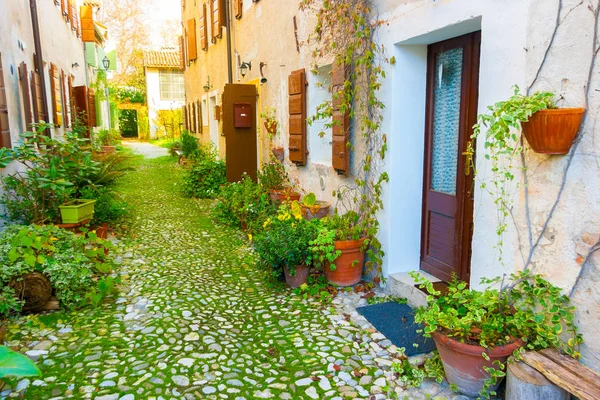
(159, 13)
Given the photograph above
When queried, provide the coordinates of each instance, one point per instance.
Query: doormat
(397, 323)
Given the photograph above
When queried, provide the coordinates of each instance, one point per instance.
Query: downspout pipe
(39, 60)
(228, 27)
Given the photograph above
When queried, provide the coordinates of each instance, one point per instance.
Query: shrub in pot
(275, 180)
(340, 249)
(476, 331)
(107, 140)
(284, 245)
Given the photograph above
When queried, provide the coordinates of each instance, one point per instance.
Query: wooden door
(240, 142)
(452, 93)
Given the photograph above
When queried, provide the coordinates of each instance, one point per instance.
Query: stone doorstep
(403, 285)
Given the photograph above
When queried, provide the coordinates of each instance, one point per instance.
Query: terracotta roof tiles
(162, 59)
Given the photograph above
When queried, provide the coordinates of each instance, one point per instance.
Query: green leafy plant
(410, 375)
(71, 263)
(285, 241)
(16, 365)
(502, 125)
(323, 248)
(107, 137)
(54, 172)
(108, 208)
(9, 303)
(189, 144)
(204, 174)
(273, 176)
(316, 288)
(532, 310)
(270, 120)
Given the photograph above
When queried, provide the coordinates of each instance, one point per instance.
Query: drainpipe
(39, 61)
(228, 27)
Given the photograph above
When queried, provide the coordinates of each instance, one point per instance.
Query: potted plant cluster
(340, 248)
(275, 180)
(284, 244)
(476, 331)
(271, 126)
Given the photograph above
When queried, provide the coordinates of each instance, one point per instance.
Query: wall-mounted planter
(271, 126)
(278, 153)
(553, 131)
(77, 211)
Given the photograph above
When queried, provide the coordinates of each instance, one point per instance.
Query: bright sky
(159, 13)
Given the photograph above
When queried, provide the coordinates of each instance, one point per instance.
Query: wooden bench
(549, 375)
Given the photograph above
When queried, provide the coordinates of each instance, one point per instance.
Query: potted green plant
(313, 208)
(107, 139)
(270, 123)
(340, 249)
(476, 331)
(275, 180)
(284, 244)
(77, 211)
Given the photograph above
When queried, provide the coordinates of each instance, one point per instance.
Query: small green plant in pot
(476, 331)
(313, 208)
(107, 140)
(284, 245)
(275, 181)
(340, 248)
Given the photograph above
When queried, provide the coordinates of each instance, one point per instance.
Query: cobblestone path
(196, 319)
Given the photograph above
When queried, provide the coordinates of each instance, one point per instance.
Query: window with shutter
(203, 29)
(63, 7)
(185, 120)
(39, 111)
(64, 99)
(69, 10)
(192, 45)
(55, 89)
(75, 24)
(297, 110)
(87, 24)
(79, 105)
(238, 8)
(4, 126)
(341, 122)
(26, 94)
(181, 52)
(92, 122)
(217, 18)
(199, 116)
(193, 117)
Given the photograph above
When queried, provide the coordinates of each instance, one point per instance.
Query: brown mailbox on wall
(242, 115)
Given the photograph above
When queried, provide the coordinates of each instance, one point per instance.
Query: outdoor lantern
(106, 63)
(244, 67)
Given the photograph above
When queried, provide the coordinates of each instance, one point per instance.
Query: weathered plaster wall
(155, 103)
(514, 39)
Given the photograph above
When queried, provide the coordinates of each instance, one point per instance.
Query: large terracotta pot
(319, 212)
(278, 196)
(463, 363)
(553, 131)
(349, 265)
(299, 278)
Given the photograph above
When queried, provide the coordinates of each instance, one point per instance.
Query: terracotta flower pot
(278, 153)
(349, 265)
(553, 131)
(102, 231)
(463, 363)
(108, 149)
(299, 278)
(278, 196)
(321, 211)
(271, 126)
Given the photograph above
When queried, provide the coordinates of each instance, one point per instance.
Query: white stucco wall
(155, 103)
(514, 37)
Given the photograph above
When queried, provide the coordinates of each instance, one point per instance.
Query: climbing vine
(344, 36)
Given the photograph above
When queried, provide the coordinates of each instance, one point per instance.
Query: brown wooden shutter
(4, 125)
(341, 128)
(80, 104)
(39, 112)
(92, 108)
(64, 99)
(63, 8)
(69, 10)
(238, 6)
(217, 18)
(26, 92)
(203, 28)
(199, 114)
(185, 120)
(181, 52)
(87, 24)
(297, 109)
(72, 111)
(55, 90)
(192, 44)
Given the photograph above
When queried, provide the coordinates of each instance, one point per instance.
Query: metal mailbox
(242, 115)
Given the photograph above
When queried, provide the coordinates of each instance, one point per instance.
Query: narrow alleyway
(197, 319)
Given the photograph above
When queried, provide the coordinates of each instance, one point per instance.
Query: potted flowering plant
(476, 331)
(313, 208)
(270, 123)
(274, 180)
(284, 245)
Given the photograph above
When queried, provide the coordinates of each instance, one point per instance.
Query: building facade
(165, 92)
(453, 59)
(44, 74)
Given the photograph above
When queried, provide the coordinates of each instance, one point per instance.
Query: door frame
(471, 44)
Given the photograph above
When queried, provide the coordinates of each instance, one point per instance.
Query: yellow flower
(249, 237)
(304, 286)
(267, 222)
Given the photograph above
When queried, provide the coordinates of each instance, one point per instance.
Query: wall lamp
(244, 67)
(262, 75)
(106, 63)
(207, 86)
(75, 65)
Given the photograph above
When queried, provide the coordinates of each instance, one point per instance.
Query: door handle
(469, 158)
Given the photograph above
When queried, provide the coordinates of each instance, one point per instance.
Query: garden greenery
(345, 33)
(189, 144)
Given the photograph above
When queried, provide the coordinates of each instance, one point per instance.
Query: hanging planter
(77, 211)
(347, 268)
(463, 363)
(552, 131)
(271, 126)
(278, 153)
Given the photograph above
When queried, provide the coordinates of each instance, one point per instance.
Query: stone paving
(197, 319)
